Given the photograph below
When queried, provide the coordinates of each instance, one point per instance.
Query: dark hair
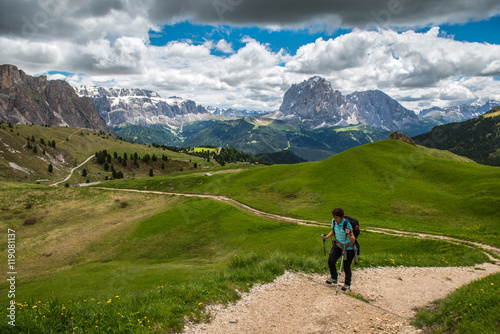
(338, 212)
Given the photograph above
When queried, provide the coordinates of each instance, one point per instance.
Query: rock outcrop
(396, 135)
(25, 99)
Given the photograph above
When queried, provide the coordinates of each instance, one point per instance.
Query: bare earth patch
(298, 303)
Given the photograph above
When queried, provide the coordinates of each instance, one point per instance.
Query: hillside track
(487, 249)
(230, 201)
(300, 303)
(72, 171)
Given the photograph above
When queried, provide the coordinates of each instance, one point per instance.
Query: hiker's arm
(350, 235)
(329, 235)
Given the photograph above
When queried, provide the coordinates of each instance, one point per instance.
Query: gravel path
(298, 303)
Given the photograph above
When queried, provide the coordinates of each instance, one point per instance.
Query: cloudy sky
(247, 53)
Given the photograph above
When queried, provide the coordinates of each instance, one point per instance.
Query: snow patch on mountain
(119, 106)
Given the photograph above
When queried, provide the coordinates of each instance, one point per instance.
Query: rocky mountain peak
(314, 104)
(26, 99)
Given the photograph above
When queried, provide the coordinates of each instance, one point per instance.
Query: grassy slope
(384, 184)
(86, 242)
(74, 145)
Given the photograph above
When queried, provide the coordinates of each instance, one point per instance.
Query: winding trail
(300, 303)
(487, 249)
(71, 173)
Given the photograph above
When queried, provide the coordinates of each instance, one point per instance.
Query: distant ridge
(458, 113)
(25, 99)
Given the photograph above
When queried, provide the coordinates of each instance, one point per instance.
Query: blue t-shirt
(339, 230)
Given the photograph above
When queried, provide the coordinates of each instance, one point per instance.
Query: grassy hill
(385, 184)
(477, 139)
(72, 147)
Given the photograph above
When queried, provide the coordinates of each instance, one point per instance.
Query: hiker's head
(338, 212)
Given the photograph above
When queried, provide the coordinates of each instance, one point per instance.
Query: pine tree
(50, 168)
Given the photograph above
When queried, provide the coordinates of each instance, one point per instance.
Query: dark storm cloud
(98, 7)
(54, 19)
(50, 19)
(346, 13)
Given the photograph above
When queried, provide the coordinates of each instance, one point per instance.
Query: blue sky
(484, 31)
(288, 40)
(246, 54)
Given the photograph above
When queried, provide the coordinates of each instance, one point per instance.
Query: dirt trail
(71, 172)
(299, 303)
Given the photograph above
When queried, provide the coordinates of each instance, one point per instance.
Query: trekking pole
(340, 271)
(324, 251)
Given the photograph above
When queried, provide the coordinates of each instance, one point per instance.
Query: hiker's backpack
(355, 228)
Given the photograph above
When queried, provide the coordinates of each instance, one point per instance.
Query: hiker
(344, 240)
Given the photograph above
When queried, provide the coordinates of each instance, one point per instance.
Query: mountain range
(232, 113)
(121, 106)
(457, 113)
(311, 104)
(314, 121)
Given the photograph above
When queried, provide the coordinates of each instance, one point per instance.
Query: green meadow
(92, 260)
(384, 184)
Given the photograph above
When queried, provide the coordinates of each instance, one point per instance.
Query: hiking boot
(331, 281)
(346, 287)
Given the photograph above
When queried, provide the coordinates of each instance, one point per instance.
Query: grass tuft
(472, 308)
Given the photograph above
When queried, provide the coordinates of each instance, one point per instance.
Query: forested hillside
(477, 139)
